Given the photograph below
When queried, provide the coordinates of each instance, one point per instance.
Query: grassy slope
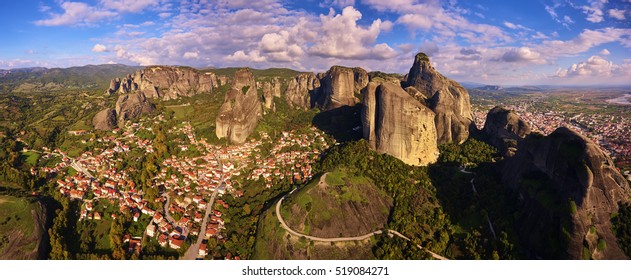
(344, 206)
(18, 234)
(273, 242)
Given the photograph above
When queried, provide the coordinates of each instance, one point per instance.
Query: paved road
(167, 215)
(81, 169)
(343, 239)
(192, 252)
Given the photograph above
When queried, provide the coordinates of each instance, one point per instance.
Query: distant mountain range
(80, 76)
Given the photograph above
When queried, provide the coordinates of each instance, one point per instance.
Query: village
(183, 208)
(612, 133)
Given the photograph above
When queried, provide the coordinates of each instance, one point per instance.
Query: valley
(178, 163)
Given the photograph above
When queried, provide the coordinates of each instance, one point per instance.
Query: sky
(497, 42)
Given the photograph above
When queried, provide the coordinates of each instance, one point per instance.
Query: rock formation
(302, 90)
(504, 128)
(105, 119)
(241, 110)
(448, 99)
(567, 185)
(397, 124)
(271, 89)
(166, 82)
(132, 105)
(340, 85)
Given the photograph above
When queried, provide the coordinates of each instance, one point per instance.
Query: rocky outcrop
(568, 186)
(340, 85)
(448, 99)
(166, 82)
(302, 90)
(114, 86)
(504, 129)
(105, 119)
(132, 105)
(271, 89)
(397, 124)
(241, 110)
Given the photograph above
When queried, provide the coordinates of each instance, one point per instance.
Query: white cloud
(164, 15)
(341, 37)
(76, 13)
(523, 54)
(337, 3)
(594, 66)
(516, 26)
(128, 5)
(565, 21)
(253, 56)
(594, 11)
(444, 22)
(189, 55)
(605, 52)
(617, 14)
(99, 48)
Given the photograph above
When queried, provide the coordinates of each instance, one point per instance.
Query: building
(151, 230)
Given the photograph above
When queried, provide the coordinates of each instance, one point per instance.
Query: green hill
(21, 228)
(334, 205)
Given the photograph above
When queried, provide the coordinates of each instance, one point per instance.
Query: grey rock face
(340, 85)
(580, 172)
(105, 120)
(132, 105)
(448, 99)
(397, 124)
(166, 82)
(302, 90)
(241, 110)
(504, 129)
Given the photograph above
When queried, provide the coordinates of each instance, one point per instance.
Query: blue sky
(572, 42)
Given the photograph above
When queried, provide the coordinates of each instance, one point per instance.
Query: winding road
(344, 239)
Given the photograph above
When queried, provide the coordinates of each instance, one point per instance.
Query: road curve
(344, 239)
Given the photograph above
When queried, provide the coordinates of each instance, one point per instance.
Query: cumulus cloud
(76, 13)
(99, 48)
(605, 52)
(341, 37)
(593, 66)
(617, 14)
(523, 54)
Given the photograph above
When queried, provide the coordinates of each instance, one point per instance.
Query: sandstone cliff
(504, 129)
(340, 85)
(271, 89)
(105, 119)
(397, 124)
(567, 185)
(241, 110)
(166, 82)
(302, 90)
(132, 105)
(448, 99)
